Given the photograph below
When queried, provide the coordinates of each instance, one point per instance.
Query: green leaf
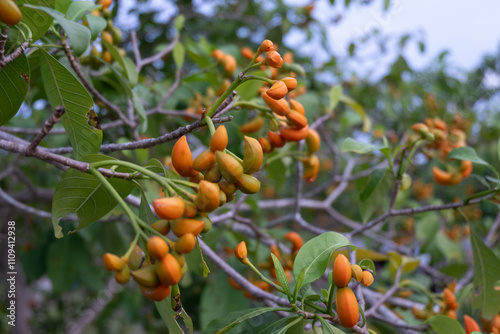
(14, 84)
(96, 25)
(467, 153)
(280, 275)
(285, 328)
(38, 22)
(130, 69)
(445, 325)
(139, 108)
(498, 150)
(83, 194)
(145, 212)
(178, 54)
(335, 94)
(386, 4)
(225, 323)
(270, 327)
(206, 270)
(367, 264)
(179, 22)
(155, 166)
(378, 198)
(329, 328)
(352, 145)
(187, 320)
(375, 178)
(397, 260)
(168, 315)
(79, 35)
(115, 54)
(486, 274)
(63, 89)
(298, 283)
(294, 68)
(367, 124)
(78, 8)
(249, 89)
(315, 254)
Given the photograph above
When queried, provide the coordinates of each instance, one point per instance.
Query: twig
(171, 90)
(343, 185)
(49, 123)
(4, 34)
(386, 295)
(23, 207)
(141, 62)
(149, 142)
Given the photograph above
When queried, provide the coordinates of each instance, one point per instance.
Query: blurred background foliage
(63, 278)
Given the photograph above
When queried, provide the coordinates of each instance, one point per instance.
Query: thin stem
(329, 305)
(264, 278)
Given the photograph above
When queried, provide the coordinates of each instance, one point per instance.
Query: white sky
(468, 29)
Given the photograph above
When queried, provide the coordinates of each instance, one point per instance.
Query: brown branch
(149, 142)
(23, 207)
(386, 295)
(49, 123)
(141, 62)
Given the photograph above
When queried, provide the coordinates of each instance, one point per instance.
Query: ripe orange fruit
(470, 325)
(347, 307)
(187, 225)
(294, 134)
(169, 207)
(253, 125)
(241, 252)
(278, 90)
(182, 159)
(157, 293)
(186, 243)
(157, 247)
(169, 271)
(341, 271)
(9, 13)
(113, 262)
(218, 142)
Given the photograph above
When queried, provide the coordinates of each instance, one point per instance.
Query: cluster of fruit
(111, 34)
(156, 272)
(345, 300)
(443, 139)
(9, 13)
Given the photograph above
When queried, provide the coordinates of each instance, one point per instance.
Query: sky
(468, 29)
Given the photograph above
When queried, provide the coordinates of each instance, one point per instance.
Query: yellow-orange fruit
(248, 184)
(157, 247)
(273, 59)
(157, 293)
(341, 271)
(146, 276)
(227, 188)
(347, 307)
(356, 272)
(187, 225)
(252, 155)
(105, 35)
(420, 127)
(9, 13)
(313, 141)
(265, 144)
(204, 161)
(106, 56)
(288, 57)
(275, 250)
(247, 53)
(169, 271)
(291, 83)
(218, 142)
(182, 159)
(230, 168)
(217, 54)
(253, 125)
(311, 168)
(295, 239)
(197, 178)
(280, 107)
(162, 226)
(136, 258)
(470, 325)
(452, 314)
(213, 174)
(297, 106)
(275, 139)
(123, 276)
(233, 283)
(113, 262)
(465, 168)
(441, 176)
(294, 134)
(105, 3)
(190, 209)
(223, 87)
(222, 198)
(169, 207)
(278, 90)
(266, 46)
(241, 252)
(229, 64)
(440, 124)
(186, 243)
(367, 278)
(449, 299)
(208, 196)
(298, 120)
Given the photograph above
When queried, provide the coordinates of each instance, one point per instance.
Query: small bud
(356, 272)
(266, 46)
(265, 144)
(278, 90)
(247, 53)
(273, 59)
(367, 278)
(113, 262)
(291, 83)
(217, 54)
(157, 247)
(241, 252)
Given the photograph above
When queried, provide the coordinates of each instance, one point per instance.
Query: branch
(49, 123)
(139, 62)
(23, 207)
(386, 295)
(149, 142)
